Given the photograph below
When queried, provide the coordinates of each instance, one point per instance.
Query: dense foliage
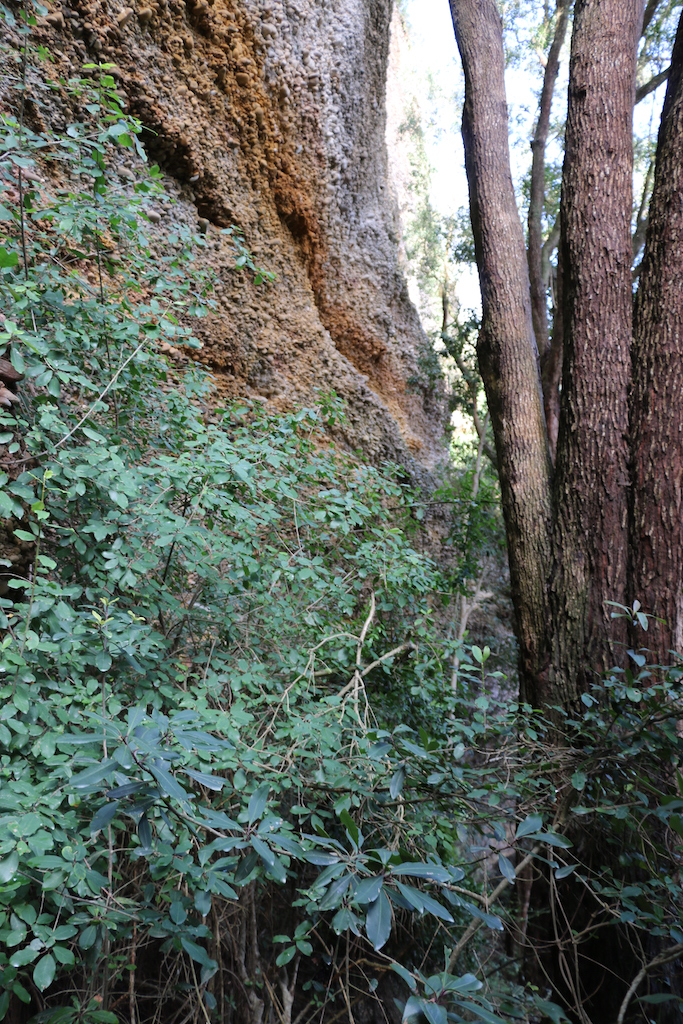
(238, 777)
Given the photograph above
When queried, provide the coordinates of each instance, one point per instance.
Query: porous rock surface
(271, 115)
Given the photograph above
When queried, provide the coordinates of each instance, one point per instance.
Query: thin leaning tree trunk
(591, 479)
(539, 311)
(657, 395)
(508, 358)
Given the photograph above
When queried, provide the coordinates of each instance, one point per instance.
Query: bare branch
(664, 958)
(650, 12)
(644, 90)
(476, 923)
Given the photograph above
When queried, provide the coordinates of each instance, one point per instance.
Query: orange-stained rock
(270, 115)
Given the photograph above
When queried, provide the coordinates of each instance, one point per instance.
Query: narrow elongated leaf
(552, 1010)
(432, 906)
(396, 784)
(93, 776)
(257, 803)
(552, 839)
(507, 868)
(369, 889)
(466, 983)
(335, 893)
(481, 1012)
(103, 816)
(490, 920)
(126, 790)
(145, 832)
(219, 820)
(351, 827)
(168, 784)
(378, 921)
(531, 823)
(320, 858)
(345, 920)
(264, 851)
(198, 953)
(246, 866)
(433, 872)
(406, 975)
(412, 896)
(271, 860)
(213, 782)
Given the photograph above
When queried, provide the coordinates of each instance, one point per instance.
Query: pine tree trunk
(657, 396)
(508, 358)
(591, 482)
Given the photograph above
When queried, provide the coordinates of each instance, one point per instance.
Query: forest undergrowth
(249, 770)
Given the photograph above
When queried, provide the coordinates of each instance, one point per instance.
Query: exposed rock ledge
(271, 115)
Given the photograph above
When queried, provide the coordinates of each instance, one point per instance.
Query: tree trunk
(508, 358)
(591, 482)
(657, 395)
(551, 372)
(539, 311)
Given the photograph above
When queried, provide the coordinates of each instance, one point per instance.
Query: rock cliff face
(271, 115)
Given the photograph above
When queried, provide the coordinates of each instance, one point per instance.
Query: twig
(476, 924)
(664, 958)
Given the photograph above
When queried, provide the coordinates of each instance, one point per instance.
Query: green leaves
(532, 823)
(44, 972)
(7, 259)
(196, 952)
(104, 816)
(368, 890)
(168, 784)
(378, 921)
(257, 803)
(507, 868)
(8, 867)
(396, 783)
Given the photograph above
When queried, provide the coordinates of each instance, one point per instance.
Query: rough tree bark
(561, 580)
(539, 310)
(549, 348)
(591, 480)
(551, 367)
(657, 394)
(508, 357)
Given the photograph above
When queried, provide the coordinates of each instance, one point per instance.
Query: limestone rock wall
(271, 115)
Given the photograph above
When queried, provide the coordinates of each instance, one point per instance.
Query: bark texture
(657, 396)
(508, 357)
(591, 484)
(551, 367)
(539, 310)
